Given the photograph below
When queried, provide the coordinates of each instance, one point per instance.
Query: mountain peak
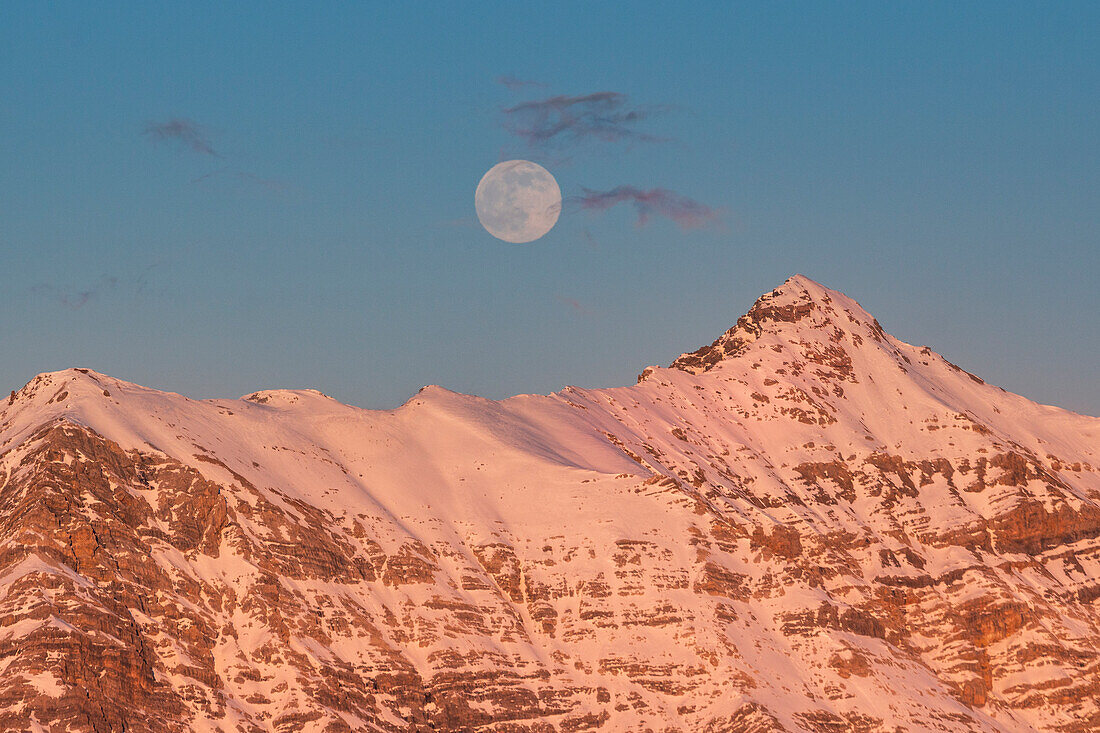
(800, 306)
(800, 284)
(287, 397)
(59, 385)
(830, 524)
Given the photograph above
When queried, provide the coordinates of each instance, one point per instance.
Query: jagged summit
(799, 307)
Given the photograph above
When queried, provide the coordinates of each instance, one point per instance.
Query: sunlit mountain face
(807, 525)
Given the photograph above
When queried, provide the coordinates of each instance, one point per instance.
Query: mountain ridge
(795, 298)
(807, 525)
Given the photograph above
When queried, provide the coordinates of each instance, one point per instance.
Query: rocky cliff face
(806, 526)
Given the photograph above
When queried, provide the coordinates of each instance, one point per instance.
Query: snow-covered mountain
(805, 526)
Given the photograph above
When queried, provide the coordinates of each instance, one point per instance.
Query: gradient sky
(214, 198)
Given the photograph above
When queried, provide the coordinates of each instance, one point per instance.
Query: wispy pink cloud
(575, 305)
(685, 212)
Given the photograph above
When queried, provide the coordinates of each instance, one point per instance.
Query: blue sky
(940, 163)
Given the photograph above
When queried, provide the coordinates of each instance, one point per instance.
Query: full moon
(518, 201)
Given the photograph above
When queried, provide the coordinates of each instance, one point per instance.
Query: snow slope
(807, 525)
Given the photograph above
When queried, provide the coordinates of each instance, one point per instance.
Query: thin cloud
(75, 299)
(685, 212)
(140, 283)
(563, 121)
(461, 222)
(514, 85)
(183, 132)
(273, 185)
(191, 136)
(575, 305)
